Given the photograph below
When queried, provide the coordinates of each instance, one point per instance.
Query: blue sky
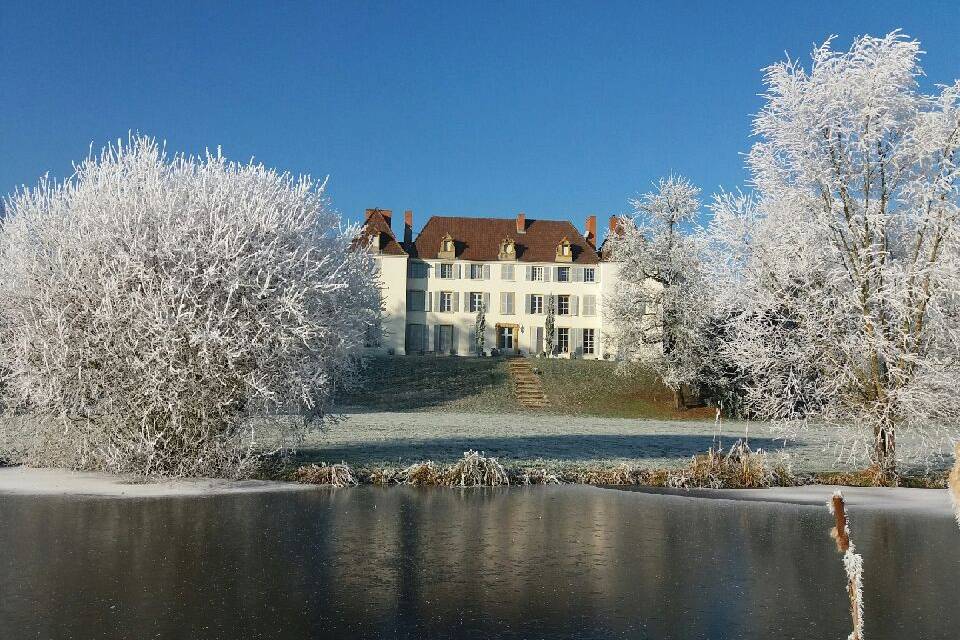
(483, 108)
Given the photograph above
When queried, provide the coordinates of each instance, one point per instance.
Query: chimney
(591, 230)
(408, 226)
(521, 222)
(614, 223)
(386, 213)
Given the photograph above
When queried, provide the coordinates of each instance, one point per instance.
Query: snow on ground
(25, 480)
(397, 438)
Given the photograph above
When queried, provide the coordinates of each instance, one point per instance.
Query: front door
(444, 341)
(506, 338)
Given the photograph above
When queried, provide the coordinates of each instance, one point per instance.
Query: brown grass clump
(954, 482)
(334, 475)
(739, 468)
(852, 563)
(475, 470)
(422, 474)
(384, 476)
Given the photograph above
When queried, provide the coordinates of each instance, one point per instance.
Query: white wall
(393, 282)
(464, 321)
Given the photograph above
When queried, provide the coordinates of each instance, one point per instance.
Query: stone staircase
(526, 384)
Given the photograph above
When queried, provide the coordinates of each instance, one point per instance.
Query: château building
(433, 285)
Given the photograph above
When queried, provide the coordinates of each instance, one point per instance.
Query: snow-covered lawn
(395, 438)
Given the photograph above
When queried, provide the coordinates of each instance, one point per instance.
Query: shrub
(150, 305)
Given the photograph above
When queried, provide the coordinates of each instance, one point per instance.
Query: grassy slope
(578, 387)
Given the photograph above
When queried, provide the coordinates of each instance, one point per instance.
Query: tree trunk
(884, 449)
(677, 397)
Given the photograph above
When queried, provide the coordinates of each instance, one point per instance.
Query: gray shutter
(577, 341)
(436, 301)
(547, 274)
(458, 273)
(455, 299)
(486, 272)
(574, 305)
(436, 337)
(578, 274)
(529, 271)
(526, 304)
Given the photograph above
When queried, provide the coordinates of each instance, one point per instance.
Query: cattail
(852, 563)
(954, 482)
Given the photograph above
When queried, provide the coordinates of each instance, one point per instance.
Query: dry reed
(334, 475)
(852, 563)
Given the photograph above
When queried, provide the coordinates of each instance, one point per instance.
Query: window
(446, 301)
(476, 299)
(416, 338)
(563, 340)
(446, 271)
(536, 273)
(506, 272)
(563, 305)
(536, 304)
(588, 342)
(589, 274)
(563, 274)
(506, 302)
(590, 305)
(417, 269)
(416, 300)
(476, 272)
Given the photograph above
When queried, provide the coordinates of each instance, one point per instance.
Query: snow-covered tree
(661, 308)
(151, 305)
(549, 324)
(480, 328)
(844, 291)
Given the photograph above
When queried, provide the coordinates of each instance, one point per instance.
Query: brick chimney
(614, 223)
(590, 232)
(386, 213)
(408, 226)
(521, 222)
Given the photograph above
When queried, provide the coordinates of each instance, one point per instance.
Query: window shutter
(436, 301)
(577, 341)
(526, 304)
(574, 305)
(455, 300)
(472, 339)
(486, 272)
(486, 300)
(578, 274)
(436, 337)
(547, 274)
(458, 271)
(529, 272)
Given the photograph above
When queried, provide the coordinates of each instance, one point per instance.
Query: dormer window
(375, 242)
(447, 248)
(508, 250)
(564, 251)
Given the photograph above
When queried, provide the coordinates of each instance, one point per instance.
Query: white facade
(432, 307)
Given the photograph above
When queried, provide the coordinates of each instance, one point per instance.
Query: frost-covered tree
(480, 328)
(549, 325)
(151, 305)
(845, 287)
(661, 307)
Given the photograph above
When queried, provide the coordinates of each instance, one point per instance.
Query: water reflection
(567, 562)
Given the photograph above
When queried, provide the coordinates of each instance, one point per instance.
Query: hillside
(574, 387)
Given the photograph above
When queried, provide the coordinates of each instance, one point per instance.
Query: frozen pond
(558, 562)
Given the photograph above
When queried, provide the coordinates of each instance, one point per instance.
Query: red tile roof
(378, 222)
(479, 239)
